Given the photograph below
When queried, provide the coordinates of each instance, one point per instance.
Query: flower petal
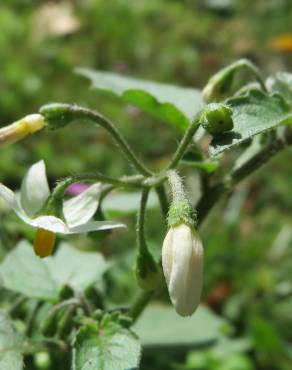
(95, 226)
(50, 223)
(80, 209)
(34, 189)
(185, 283)
(11, 199)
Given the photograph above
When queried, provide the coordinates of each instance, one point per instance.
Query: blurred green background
(248, 236)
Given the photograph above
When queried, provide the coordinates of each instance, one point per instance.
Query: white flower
(182, 262)
(19, 129)
(77, 211)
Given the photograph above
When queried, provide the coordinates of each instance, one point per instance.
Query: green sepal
(147, 271)
(217, 118)
(58, 115)
(181, 212)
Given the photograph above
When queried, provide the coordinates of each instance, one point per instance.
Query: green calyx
(217, 118)
(58, 115)
(147, 271)
(180, 212)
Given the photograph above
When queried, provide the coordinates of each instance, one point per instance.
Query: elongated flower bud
(182, 262)
(182, 252)
(19, 129)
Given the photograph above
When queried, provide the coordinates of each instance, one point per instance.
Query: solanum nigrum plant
(60, 322)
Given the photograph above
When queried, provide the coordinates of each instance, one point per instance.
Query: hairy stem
(55, 112)
(183, 145)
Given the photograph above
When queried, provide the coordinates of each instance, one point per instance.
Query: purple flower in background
(77, 188)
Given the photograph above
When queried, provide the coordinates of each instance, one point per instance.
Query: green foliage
(10, 345)
(253, 114)
(172, 104)
(248, 236)
(105, 347)
(23, 272)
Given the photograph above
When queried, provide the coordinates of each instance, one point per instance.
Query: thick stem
(177, 187)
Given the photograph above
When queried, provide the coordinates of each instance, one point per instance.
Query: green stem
(55, 112)
(214, 193)
(142, 245)
(183, 145)
(58, 193)
(161, 193)
(177, 187)
(140, 304)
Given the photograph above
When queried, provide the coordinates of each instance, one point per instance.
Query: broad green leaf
(122, 202)
(162, 326)
(173, 104)
(23, 272)
(253, 114)
(76, 268)
(108, 348)
(10, 357)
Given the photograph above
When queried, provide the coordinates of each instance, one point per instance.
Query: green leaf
(173, 104)
(253, 114)
(10, 356)
(23, 272)
(70, 266)
(162, 326)
(108, 348)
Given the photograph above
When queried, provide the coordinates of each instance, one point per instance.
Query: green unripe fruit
(217, 118)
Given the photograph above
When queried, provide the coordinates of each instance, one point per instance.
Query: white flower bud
(182, 262)
(21, 128)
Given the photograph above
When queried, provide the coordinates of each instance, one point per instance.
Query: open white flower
(182, 261)
(77, 211)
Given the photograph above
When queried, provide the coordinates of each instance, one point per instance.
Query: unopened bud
(217, 118)
(182, 261)
(19, 129)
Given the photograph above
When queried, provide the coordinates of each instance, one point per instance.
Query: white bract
(182, 262)
(77, 211)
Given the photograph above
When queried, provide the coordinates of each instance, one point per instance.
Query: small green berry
(217, 118)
